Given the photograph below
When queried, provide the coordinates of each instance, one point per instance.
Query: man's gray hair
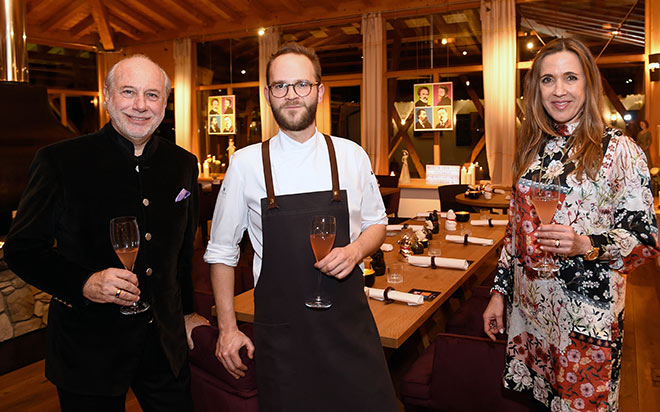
(108, 82)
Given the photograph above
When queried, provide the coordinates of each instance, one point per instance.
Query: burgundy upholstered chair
(468, 319)
(461, 373)
(213, 388)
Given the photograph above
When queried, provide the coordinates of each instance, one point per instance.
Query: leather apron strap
(268, 172)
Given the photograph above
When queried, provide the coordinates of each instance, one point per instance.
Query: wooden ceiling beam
(124, 28)
(83, 28)
(220, 8)
(64, 15)
(101, 19)
(177, 9)
(130, 17)
(152, 13)
(41, 9)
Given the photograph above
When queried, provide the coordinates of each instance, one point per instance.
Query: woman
(644, 139)
(565, 328)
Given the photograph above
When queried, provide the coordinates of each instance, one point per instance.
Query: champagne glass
(545, 196)
(322, 237)
(125, 239)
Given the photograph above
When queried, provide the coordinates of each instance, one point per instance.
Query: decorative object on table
(428, 295)
(369, 277)
(404, 177)
(378, 263)
(450, 223)
(392, 294)
(405, 242)
(472, 194)
(417, 248)
(462, 216)
(230, 148)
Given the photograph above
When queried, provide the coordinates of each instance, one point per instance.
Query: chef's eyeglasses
(302, 88)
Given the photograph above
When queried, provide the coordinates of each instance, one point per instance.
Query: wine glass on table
(125, 239)
(545, 196)
(322, 237)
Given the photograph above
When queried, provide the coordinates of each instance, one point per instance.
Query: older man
(59, 243)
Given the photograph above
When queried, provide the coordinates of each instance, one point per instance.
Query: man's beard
(308, 117)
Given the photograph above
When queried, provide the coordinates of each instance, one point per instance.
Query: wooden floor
(27, 390)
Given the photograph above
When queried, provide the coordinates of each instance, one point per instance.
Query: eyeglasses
(302, 89)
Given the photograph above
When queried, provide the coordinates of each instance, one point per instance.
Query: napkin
(484, 222)
(500, 191)
(451, 263)
(414, 228)
(408, 298)
(386, 247)
(471, 239)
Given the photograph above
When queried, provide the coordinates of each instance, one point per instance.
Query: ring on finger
(117, 293)
(557, 243)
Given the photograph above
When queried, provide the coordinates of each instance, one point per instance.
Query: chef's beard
(295, 125)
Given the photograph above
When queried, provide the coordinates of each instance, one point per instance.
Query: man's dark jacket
(61, 236)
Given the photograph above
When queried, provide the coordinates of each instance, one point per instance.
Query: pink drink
(127, 256)
(321, 244)
(545, 208)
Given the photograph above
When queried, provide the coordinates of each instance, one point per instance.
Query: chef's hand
(562, 240)
(494, 316)
(340, 261)
(112, 285)
(193, 320)
(226, 350)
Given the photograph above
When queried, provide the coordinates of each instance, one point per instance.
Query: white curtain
(268, 44)
(498, 26)
(372, 107)
(183, 88)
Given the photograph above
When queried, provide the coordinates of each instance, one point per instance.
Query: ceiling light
(243, 71)
(613, 117)
(444, 40)
(627, 117)
(467, 82)
(261, 31)
(530, 45)
(464, 52)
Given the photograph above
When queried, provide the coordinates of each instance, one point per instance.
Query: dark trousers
(155, 387)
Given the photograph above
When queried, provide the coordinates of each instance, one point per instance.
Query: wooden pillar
(183, 83)
(104, 62)
(652, 89)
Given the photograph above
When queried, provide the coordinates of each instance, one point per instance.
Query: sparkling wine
(321, 244)
(545, 208)
(127, 256)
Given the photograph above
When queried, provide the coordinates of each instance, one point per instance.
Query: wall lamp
(654, 67)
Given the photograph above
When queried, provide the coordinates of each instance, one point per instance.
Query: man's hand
(112, 285)
(192, 321)
(493, 316)
(340, 261)
(226, 350)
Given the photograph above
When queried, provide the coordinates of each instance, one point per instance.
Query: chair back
(447, 194)
(387, 180)
(391, 201)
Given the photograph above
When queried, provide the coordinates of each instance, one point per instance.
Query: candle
(199, 169)
(463, 175)
(206, 168)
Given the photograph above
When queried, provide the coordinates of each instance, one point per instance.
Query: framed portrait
(434, 107)
(222, 115)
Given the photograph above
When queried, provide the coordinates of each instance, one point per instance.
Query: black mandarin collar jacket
(75, 187)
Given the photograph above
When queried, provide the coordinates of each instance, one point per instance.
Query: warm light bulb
(243, 71)
(530, 45)
(613, 117)
(261, 32)
(467, 82)
(464, 52)
(627, 117)
(444, 41)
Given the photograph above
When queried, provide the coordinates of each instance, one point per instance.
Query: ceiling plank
(130, 17)
(179, 10)
(41, 9)
(224, 11)
(83, 28)
(65, 15)
(102, 26)
(153, 13)
(123, 28)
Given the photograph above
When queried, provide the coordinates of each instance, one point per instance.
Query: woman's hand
(562, 240)
(494, 316)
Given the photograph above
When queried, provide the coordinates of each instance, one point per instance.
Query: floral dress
(565, 333)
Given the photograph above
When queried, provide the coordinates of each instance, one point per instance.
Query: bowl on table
(462, 216)
(472, 194)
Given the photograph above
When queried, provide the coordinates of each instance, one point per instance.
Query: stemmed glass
(125, 239)
(545, 196)
(322, 237)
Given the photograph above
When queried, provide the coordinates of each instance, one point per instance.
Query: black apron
(307, 359)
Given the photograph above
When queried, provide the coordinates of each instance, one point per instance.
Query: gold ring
(118, 292)
(557, 243)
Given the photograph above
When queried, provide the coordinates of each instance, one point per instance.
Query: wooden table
(498, 201)
(396, 322)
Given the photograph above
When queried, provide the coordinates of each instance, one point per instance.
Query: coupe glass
(545, 196)
(322, 237)
(125, 239)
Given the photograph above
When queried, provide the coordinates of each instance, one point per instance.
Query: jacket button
(147, 236)
(148, 272)
(145, 202)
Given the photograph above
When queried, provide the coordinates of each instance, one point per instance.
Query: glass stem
(318, 287)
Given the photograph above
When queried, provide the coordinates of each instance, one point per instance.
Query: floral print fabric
(565, 332)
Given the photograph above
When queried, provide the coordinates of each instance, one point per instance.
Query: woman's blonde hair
(537, 124)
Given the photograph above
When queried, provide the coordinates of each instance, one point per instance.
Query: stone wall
(23, 308)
